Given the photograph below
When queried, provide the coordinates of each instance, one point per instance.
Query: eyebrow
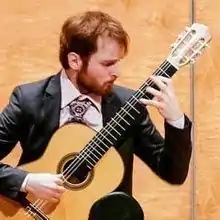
(110, 61)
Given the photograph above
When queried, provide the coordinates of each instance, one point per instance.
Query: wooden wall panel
(29, 48)
(208, 117)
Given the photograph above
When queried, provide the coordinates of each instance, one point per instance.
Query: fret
(122, 118)
(100, 153)
(96, 150)
(164, 72)
(88, 162)
(91, 165)
(86, 157)
(112, 127)
(118, 123)
(142, 92)
(110, 132)
(91, 151)
(128, 113)
(135, 98)
(104, 139)
(132, 107)
(100, 148)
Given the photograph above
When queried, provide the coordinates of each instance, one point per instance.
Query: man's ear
(74, 60)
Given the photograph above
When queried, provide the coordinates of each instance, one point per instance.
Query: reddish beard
(87, 85)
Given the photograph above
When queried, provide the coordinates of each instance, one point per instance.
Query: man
(91, 46)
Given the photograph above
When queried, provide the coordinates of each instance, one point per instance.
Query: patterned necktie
(77, 109)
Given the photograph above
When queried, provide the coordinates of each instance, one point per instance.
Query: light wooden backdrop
(29, 51)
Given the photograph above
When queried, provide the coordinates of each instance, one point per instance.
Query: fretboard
(124, 118)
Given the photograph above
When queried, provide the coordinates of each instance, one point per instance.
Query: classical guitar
(90, 166)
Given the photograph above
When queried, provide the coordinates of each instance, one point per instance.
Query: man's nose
(115, 71)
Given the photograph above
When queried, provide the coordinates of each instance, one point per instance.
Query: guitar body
(78, 199)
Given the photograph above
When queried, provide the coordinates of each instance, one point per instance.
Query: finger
(154, 92)
(159, 83)
(53, 196)
(57, 195)
(54, 200)
(60, 175)
(152, 102)
(59, 180)
(165, 79)
(60, 189)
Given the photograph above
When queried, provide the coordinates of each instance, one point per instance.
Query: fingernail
(142, 100)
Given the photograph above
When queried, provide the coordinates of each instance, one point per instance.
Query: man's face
(102, 69)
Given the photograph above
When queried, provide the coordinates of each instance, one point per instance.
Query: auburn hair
(79, 34)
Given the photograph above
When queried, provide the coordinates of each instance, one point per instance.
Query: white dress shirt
(92, 117)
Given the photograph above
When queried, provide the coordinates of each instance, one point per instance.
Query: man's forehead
(108, 48)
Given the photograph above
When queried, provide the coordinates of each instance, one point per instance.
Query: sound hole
(79, 175)
(76, 172)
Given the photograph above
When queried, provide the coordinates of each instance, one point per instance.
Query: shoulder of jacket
(123, 92)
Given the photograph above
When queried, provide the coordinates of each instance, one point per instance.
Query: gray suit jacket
(32, 116)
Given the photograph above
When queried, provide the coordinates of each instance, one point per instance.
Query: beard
(87, 84)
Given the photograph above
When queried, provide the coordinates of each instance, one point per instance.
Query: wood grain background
(29, 51)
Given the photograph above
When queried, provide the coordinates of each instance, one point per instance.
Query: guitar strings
(87, 151)
(30, 213)
(70, 169)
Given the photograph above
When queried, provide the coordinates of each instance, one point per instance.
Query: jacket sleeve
(168, 157)
(11, 124)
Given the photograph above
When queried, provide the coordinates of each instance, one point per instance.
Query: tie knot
(78, 108)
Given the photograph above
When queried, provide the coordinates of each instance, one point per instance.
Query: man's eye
(108, 64)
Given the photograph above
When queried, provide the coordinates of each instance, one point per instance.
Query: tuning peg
(181, 35)
(207, 45)
(172, 45)
(192, 60)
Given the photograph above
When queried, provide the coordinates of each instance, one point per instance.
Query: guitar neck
(124, 118)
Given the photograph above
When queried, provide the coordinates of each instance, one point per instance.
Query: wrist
(175, 117)
(178, 123)
(24, 184)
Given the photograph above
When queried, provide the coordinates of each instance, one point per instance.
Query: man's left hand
(164, 99)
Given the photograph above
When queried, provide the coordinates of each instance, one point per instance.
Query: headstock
(189, 45)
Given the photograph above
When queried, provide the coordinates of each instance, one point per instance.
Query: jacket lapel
(46, 121)
(51, 105)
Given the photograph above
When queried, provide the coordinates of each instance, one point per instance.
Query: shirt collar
(69, 92)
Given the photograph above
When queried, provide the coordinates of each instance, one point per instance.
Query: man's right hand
(45, 186)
